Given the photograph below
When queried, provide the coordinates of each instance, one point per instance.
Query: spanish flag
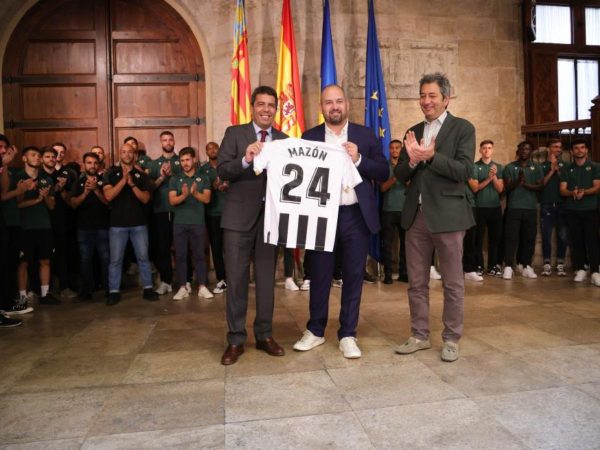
(290, 115)
(240, 70)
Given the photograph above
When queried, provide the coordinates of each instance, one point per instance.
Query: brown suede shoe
(231, 354)
(270, 346)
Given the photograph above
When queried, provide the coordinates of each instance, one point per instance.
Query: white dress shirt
(257, 131)
(348, 196)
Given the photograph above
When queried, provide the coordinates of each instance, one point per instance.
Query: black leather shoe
(231, 354)
(387, 279)
(150, 295)
(368, 278)
(113, 298)
(270, 346)
(403, 277)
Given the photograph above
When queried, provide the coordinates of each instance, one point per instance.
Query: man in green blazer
(437, 161)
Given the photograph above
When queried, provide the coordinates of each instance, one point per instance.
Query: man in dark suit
(358, 216)
(437, 160)
(242, 220)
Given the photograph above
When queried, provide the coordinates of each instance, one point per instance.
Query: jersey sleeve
(173, 184)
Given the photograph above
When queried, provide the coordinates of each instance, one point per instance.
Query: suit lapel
(444, 130)
(249, 132)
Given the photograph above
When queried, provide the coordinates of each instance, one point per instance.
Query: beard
(336, 119)
(168, 149)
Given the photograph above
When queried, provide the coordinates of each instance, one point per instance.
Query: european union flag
(328, 72)
(376, 112)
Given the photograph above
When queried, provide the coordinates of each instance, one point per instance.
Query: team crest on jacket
(198, 179)
(137, 175)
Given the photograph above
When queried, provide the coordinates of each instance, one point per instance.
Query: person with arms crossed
(358, 217)
(243, 222)
(437, 159)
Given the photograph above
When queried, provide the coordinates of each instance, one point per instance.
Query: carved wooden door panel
(87, 72)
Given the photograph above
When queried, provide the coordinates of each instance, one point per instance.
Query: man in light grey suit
(242, 220)
(437, 159)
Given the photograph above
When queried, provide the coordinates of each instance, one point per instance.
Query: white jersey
(304, 186)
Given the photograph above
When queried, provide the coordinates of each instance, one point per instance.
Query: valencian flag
(240, 69)
(290, 115)
(376, 112)
(328, 72)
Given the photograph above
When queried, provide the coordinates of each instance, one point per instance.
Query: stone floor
(141, 375)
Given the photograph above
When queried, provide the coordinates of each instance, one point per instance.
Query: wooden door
(88, 72)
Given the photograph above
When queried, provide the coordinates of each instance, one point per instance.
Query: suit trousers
(240, 248)
(352, 239)
(420, 243)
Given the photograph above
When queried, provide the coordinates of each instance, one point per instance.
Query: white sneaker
(181, 293)
(560, 270)
(507, 274)
(580, 276)
(547, 270)
(528, 272)
(308, 341)
(305, 285)
(188, 287)
(349, 348)
(163, 288)
(596, 279)
(472, 276)
(519, 268)
(434, 274)
(337, 283)
(220, 287)
(291, 285)
(203, 292)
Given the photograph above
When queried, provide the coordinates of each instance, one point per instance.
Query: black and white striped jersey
(304, 186)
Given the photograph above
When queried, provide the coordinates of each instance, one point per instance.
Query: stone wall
(476, 42)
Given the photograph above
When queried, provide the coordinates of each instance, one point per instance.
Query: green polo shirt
(394, 197)
(217, 197)
(35, 217)
(10, 210)
(489, 196)
(582, 177)
(144, 161)
(190, 211)
(521, 198)
(161, 195)
(551, 192)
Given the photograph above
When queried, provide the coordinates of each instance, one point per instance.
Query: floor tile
(318, 431)
(516, 337)
(286, 395)
(551, 418)
(451, 424)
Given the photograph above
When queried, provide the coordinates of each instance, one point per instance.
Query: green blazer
(441, 181)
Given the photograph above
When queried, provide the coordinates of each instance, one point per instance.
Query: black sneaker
(403, 277)
(387, 279)
(113, 298)
(83, 297)
(49, 299)
(368, 278)
(18, 308)
(479, 270)
(150, 295)
(9, 322)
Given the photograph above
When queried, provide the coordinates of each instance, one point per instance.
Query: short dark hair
(91, 155)
(166, 133)
(396, 141)
(263, 90)
(486, 142)
(60, 144)
(32, 148)
(523, 144)
(440, 79)
(49, 150)
(4, 139)
(211, 143)
(130, 138)
(579, 141)
(96, 146)
(553, 141)
(187, 151)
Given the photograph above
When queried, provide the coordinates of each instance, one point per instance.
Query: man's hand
(60, 183)
(352, 150)
(185, 190)
(493, 171)
(26, 185)
(194, 188)
(44, 193)
(253, 150)
(578, 194)
(417, 151)
(91, 184)
(165, 169)
(521, 179)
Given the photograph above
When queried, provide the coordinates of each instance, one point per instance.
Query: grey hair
(441, 80)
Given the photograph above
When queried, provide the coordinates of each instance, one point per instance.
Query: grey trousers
(240, 248)
(420, 243)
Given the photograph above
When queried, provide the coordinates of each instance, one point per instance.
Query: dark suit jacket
(373, 167)
(441, 182)
(244, 199)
